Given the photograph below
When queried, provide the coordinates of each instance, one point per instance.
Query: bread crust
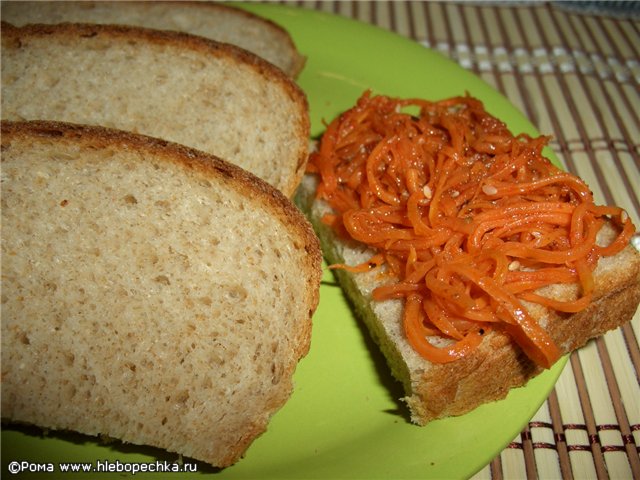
(181, 42)
(259, 195)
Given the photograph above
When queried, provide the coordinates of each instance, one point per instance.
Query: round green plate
(344, 419)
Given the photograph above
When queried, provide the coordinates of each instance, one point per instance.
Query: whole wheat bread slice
(213, 20)
(150, 293)
(183, 88)
(440, 390)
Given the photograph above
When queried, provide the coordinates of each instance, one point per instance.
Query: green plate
(344, 419)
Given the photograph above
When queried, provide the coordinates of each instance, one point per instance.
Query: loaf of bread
(182, 88)
(150, 293)
(214, 20)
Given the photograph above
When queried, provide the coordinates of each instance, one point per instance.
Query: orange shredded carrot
(467, 219)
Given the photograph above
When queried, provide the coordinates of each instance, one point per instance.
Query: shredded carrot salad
(467, 219)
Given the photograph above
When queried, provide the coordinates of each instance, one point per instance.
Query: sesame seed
(489, 189)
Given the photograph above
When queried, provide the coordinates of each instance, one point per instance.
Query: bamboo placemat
(576, 76)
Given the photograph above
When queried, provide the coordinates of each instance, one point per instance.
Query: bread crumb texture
(145, 301)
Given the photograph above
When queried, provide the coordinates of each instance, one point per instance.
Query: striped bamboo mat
(576, 76)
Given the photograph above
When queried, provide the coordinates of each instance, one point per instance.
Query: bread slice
(186, 89)
(223, 23)
(440, 390)
(150, 293)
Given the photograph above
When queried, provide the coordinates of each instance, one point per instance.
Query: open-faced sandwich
(473, 260)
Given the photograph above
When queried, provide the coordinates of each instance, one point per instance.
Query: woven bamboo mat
(576, 76)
